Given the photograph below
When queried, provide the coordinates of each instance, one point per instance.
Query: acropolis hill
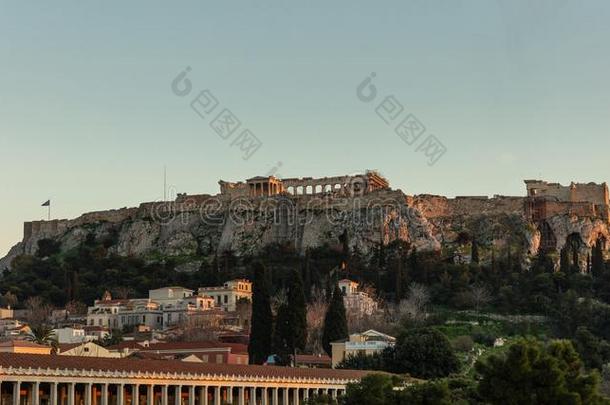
(361, 209)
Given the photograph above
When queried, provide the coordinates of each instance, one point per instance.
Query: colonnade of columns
(264, 188)
(91, 393)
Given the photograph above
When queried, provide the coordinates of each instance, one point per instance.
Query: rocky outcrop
(201, 227)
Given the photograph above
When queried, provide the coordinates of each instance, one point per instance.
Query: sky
(512, 90)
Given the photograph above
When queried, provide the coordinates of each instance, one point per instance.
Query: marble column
(120, 394)
(53, 393)
(253, 396)
(71, 389)
(241, 396)
(191, 395)
(178, 395)
(35, 392)
(203, 395)
(217, 395)
(16, 392)
(164, 394)
(274, 396)
(264, 396)
(229, 394)
(104, 394)
(88, 393)
(286, 396)
(150, 394)
(296, 398)
(135, 394)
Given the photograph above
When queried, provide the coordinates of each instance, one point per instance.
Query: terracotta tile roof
(77, 363)
(313, 359)
(127, 344)
(20, 343)
(235, 347)
(64, 347)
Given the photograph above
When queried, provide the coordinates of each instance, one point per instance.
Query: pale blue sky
(513, 89)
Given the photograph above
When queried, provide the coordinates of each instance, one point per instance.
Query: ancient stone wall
(433, 206)
(575, 192)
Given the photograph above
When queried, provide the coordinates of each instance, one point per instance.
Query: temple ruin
(265, 186)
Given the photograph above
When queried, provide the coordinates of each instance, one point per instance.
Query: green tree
(262, 319)
(114, 338)
(291, 321)
(423, 353)
(436, 392)
(373, 389)
(335, 321)
(597, 259)
(593, 351)
(298, 311)
(43, 335)
(323, 399)
(361, 361)
(474, 251)
(530, 373)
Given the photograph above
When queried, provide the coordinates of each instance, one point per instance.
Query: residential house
(367, 343)
(86, 349)
(24, 347)
(356, 301)
(227, 296)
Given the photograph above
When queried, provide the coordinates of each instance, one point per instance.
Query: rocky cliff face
(202, 226)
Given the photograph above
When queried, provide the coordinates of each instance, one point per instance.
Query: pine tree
(262, 318)
(335, 322)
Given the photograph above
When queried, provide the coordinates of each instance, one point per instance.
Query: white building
(368, 343)
(70, 335)
(164, 307)
(356, 301)
(105, 312)
(169, 295)
(227, 296)
(183, 309)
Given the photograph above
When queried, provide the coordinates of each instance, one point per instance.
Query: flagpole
(164, 183)
(49, 213)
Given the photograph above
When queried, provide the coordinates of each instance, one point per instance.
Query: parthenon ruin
(261, 186)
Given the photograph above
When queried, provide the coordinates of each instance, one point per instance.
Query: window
(205, 358)
(226, 299)
(219, 358)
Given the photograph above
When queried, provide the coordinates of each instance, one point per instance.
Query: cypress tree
(335, 322)
(564, 261)
(262, 318)
(298, 311)
(281, 334)
(597, 259)
(474, 252)
(291, 322)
